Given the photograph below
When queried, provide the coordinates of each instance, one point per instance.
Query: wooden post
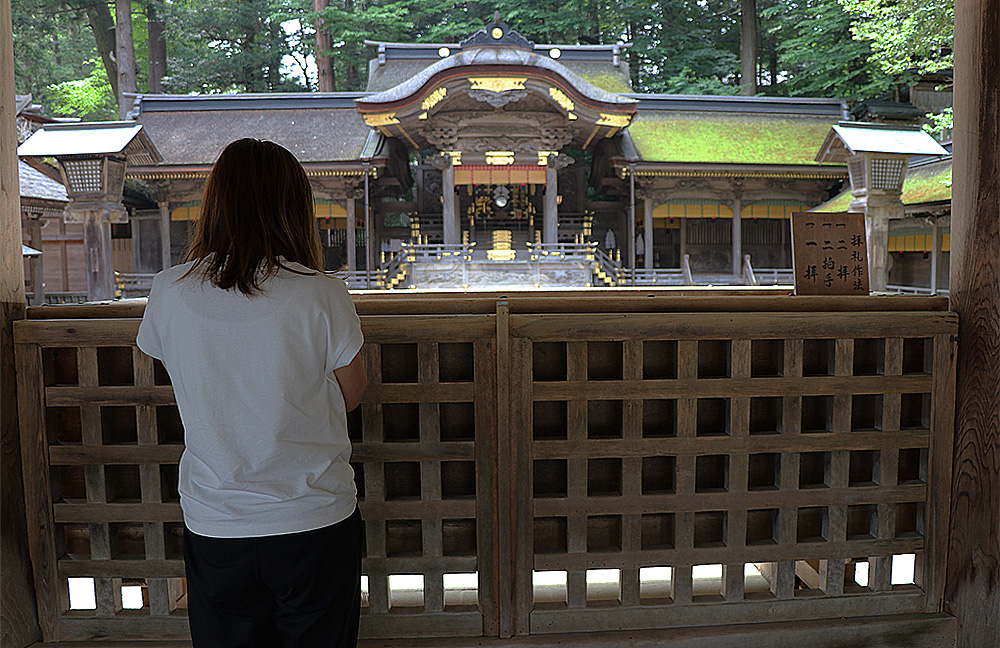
(351, 243)
(737, 237)
(97, 254)
(550, 230)
(449, 226)
(647, 233)
(935, 246)
(18, 615)
(972, 592)
(682, 232)
(165, 235)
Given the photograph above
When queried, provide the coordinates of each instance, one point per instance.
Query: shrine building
(497, 148)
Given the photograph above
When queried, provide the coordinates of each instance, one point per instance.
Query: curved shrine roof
(493, 56)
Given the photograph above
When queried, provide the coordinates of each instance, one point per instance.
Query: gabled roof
(851, 138)
(38, 186)
(93, 138)
(315, 127)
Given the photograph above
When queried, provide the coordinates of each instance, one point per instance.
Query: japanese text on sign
(829, 254)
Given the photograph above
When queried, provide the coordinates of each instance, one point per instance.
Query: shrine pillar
(647, 232)
(167, 259)
(550, 231)
(351, 236)
(448, 212)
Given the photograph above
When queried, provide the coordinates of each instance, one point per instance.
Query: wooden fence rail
(531, 465)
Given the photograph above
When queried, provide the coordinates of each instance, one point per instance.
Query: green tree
(817, 56)
(906, 34)
(90, 99)
(229, 45)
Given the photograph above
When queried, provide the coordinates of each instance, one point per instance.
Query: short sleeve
(148, 338)
(344, 337)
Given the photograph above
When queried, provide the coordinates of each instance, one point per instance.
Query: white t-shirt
(265, 425)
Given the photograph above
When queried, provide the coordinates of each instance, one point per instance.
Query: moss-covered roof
(927, 183)
(733, 138)
(603, 75)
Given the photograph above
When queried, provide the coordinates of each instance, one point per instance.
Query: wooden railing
(541, 464)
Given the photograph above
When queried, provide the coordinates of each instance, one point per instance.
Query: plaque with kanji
(829, 254)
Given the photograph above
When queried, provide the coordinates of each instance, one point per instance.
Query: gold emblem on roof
(434, 98)
(560, 98)
(500, 157)
(497, 33)
(497, 84)
(381, 119)
(617, 121)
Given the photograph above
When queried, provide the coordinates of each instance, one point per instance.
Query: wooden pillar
(935, 246)
(682, 232)
(972, 591)
(737, 237)
(37, 263)
(18, 615)
(97, 253)
(448, 224)
(631, 225)
(647, 233)
(550, 231)
(351, 244)
(165, 235)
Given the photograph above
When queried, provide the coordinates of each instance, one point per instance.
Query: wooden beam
(972, 593)
(18, 616)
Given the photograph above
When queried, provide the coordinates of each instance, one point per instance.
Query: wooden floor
(896, 631)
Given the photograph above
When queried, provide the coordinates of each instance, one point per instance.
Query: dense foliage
(844, 48)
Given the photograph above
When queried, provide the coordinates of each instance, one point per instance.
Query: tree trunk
(126, 55)
(104, 37)
(748, 47)
(157, 48)
(324, 64)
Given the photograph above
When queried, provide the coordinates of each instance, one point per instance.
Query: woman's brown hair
(258, 206)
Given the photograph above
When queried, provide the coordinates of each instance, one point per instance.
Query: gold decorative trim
(500, 158)
(543, 157)
(618, 121)
(381, 119)
(560, 98)
(592, 134)
(434, 98)
(407, 136)
(497, 84)
(456, 157)
(731, 174)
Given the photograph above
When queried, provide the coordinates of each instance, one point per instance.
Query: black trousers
(300, 590)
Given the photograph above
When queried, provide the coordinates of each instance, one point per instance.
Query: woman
(262, 349)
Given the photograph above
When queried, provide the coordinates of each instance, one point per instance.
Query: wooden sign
(829, 253)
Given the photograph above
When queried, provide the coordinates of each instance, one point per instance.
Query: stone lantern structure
(877, 156)
(92, 158)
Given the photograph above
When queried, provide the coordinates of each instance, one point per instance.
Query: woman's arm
(353, 381)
